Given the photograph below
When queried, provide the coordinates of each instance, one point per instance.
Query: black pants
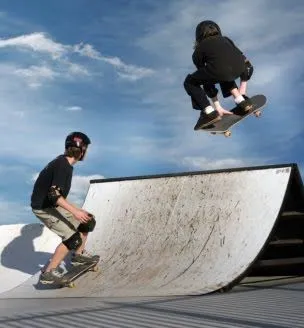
(201, 77)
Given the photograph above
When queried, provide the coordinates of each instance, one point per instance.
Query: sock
(217, 104)
(239, 99)
(209, 109)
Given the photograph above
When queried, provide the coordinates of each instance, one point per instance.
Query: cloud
(128, 72)
(79, 188)
(74, 108)
(38, 42)
(42, 43)
(35, 75)
(203, 163)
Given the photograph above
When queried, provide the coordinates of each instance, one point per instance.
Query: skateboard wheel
(258, 113)
(227, 134)
(213, 133)
(71, 285)
(95, 268)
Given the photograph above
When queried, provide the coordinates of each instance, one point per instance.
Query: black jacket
(221, 59)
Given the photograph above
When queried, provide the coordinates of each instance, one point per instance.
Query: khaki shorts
(58, 220)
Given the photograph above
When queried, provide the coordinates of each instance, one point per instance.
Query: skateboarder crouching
(49, 204)
(217, 60)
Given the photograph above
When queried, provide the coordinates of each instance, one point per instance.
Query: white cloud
(203, 163)
(125, 71)
(38, 42)
(43, 44)
(73, 108)
(35, 75)
(86, 50)
(79, 188)
(76, 69)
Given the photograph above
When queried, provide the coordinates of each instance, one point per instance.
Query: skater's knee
(246, 75)
(187, 82)
(74, 242)
(87, 227)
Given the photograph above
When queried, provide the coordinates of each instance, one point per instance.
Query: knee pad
(87, 227)
(74, 242)
(246, 75)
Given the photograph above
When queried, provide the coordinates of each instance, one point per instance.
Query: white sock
(209, 109)
(239, 99)
(217, 104)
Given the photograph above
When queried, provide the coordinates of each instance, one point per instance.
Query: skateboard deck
(67, 280)
(75, 272)
(228, 121)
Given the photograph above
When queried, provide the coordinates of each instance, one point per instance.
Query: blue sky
(115, 70)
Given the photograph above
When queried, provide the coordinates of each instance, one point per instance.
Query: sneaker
(207, 119)
(246, 105)
(84, 258)
(50, 277)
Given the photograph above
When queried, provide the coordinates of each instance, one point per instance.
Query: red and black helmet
(78, 140)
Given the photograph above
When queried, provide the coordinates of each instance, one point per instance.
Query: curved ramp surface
(183, 234)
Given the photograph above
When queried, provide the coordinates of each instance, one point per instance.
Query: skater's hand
(223, 112)
(82, 215)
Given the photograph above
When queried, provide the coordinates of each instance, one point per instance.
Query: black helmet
(78, 140)
(204, 28)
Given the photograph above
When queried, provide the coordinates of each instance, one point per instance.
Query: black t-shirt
(220, 57)
(56, 173)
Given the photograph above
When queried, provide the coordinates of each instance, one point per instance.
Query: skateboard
(228, 121)
(68, 278)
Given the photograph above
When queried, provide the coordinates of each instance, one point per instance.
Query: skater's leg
(59, 255)
(84, 237)
(243, 88)
(192, 85)
(245, 77)
(226, 88)
(199, 98)
(237, 95)
(59, 221)
(244, 104)
(81, 256)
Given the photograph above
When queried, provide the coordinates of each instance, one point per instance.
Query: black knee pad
(74, 242)
(246, 75)
(87, 227)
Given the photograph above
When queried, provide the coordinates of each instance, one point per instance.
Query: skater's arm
(57, 199)
(62, 202)
(79, 214)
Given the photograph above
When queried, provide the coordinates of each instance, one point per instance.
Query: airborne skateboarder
(217, 60)
(49, 204)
